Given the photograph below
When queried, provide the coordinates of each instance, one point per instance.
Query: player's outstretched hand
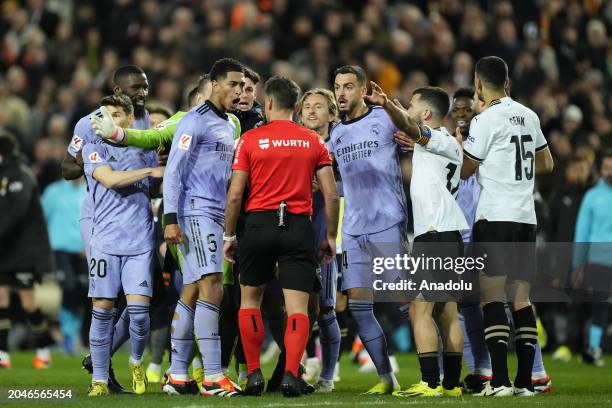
(402, 139)
(377, 97)
(173, 234)
(158, 172)
(105, 128)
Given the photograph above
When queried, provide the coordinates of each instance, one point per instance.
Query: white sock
(135, 362)
(43, 353)
(180, 377)
(154, 367)
(214, 377)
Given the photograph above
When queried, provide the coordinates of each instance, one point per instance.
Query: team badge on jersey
(94, 157)
(76, 143)
(184, 142)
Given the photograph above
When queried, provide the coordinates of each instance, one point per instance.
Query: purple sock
(100, 342)
(329, 334)
(181, 339)
(371, 334)
(121, 331)
(207, 334)
(140, 324)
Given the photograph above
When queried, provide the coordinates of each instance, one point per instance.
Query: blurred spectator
(61, 203)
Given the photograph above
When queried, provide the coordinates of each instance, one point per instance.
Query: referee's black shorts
(263, 244)
(508, 248)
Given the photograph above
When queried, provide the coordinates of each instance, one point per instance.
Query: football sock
(371, 334)
(206, 329)
(452, 370)
(140, 324)
(430, 371)
(329, 335)
(525, 339)
(296, 337)
(497, 333)
(252, 336)
(100, 342)
(181, 339)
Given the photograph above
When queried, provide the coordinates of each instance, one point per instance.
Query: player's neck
(491, 95)
(323, 132)
(216, 102)
(360, 110)
(433, 124)
(279, 115)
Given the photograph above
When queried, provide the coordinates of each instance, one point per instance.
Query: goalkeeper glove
(106, 128)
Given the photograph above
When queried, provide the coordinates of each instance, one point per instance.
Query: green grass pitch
(574, 385)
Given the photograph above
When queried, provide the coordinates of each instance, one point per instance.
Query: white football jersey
(504, 139)
(434, 184)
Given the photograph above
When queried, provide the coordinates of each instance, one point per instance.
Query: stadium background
(57, 58)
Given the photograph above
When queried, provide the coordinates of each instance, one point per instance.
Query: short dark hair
(493, 71)
(192, 95)
(221, 67)
(435, 97)
(352, 69)
(8, 142)
(159, 109)
(252, 75)
(463, 93)
(284, 91)
(202, 81)
(121, 101)
(123, 72)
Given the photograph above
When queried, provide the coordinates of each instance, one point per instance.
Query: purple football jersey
(368, 161)
(123, 221)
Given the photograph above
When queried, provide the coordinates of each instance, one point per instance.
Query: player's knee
(28, 302)
(5, 296)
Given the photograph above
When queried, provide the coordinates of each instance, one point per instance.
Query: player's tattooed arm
(71, 168)
(398, 115)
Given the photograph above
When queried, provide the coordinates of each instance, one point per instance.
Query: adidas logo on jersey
(264, 143)
(144, 284)
(112, 159)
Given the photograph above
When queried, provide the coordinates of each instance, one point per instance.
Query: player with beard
(508, 148)
(368, 162)
(127, 80)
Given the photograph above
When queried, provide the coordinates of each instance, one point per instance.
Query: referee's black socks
(497, 334)
(5, 325)
(525, 338)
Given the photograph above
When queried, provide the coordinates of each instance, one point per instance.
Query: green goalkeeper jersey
(162, 134)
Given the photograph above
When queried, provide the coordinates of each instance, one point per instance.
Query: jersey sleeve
(477, 145)
(323, 157)
(183, 144)
(81, 131)
(444, 145)
(94, 156)
(540, 140)
(159, 136)
(242, 155)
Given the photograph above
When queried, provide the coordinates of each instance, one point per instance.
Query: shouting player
(198, 171)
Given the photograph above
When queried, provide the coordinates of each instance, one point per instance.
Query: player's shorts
(264, 244)
(438, 252)
(19, 279)
(359, 252)
(202, 251)
(86, 226)
(329, 280)
(108, 274)
(507, 247)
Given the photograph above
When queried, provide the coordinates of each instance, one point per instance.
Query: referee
(279, 161)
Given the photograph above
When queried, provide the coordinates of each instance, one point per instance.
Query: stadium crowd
(58, 58)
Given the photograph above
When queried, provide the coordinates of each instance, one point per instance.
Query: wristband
(230, 238)
(171, 219)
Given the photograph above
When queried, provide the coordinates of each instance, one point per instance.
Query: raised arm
(399, 116)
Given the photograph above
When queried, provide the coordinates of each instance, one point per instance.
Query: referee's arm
(327, 185)
(232, 210)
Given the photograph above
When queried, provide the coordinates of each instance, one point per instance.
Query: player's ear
(130, 119)
(117, 90)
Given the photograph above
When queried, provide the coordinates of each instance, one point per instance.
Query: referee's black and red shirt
(281, 159)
